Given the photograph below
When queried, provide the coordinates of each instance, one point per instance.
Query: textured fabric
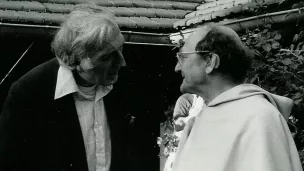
(197, 106)
(241, 129)
(92, 118)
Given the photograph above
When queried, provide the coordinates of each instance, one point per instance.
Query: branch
(302, 81)
(291, 51)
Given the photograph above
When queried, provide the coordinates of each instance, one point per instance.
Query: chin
(110, 82)
(186, 88)
(183, 88)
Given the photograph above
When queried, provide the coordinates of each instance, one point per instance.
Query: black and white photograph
(151, 85)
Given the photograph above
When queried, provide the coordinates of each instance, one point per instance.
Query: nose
(177, 67)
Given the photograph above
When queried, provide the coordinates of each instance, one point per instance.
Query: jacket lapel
(72, 141)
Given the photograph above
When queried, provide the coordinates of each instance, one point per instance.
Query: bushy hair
(85, 31)
(235, 57)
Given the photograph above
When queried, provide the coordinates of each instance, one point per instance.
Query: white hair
(87, 30)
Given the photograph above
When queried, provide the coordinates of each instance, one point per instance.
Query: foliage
(168, 140)
(274, 63)
(279, 68)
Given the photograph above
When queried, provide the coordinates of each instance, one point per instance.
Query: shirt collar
(102, 91)
(66, 84)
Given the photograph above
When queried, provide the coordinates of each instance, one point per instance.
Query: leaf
(296, 102)
(258, 45)
(265, 31)
(294, 66)
(295, 38)
(267, 47)
(270, 59)
(286, 61)
(273, 88)
(277, 37)
(254, 78)
(268, 35)
(256, 53)
(275, 45)
(301, 36)
(286, 77)
(255, 35)
(297, 96)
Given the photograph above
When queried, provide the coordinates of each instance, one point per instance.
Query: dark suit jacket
(40, 133)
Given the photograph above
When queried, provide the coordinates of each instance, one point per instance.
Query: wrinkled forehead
(196, 36)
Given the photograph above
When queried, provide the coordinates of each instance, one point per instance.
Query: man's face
(191, 65)
(106, 68)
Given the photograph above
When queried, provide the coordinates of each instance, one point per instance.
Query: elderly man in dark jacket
(66, 114)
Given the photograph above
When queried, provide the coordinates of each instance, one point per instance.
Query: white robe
(242, 129)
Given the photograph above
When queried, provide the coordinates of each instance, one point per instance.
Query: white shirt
(92, 117)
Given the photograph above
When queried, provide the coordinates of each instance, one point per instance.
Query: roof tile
(184, 5)
(144, 4)
(105, 3)
(164, 22)
(58, 8)
(30, 16)
(144, 22)
(53, 18)
(22, 5)
(199, 19)
(152, 14)
(121, 11)
(126, 22)
(121, 3)
(33, 6)
(180, 23)
(60, 1)
(162, 13)
(193, 1)
(161, 4)
(9, 15)
(210, 10)
(145, 12)
(10, 5)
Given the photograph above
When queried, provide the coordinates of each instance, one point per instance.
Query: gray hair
(87, 30)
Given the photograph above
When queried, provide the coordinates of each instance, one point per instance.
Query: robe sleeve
(266, 145)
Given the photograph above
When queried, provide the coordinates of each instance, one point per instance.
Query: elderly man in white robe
(242, 127)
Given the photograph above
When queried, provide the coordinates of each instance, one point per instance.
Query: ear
(212, 63)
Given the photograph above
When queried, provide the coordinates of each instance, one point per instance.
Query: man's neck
(215, 88)
(80, 81)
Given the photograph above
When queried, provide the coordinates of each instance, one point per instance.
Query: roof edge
(131, 37)
(283, 17)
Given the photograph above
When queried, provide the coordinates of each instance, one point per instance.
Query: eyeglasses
(182, 55)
